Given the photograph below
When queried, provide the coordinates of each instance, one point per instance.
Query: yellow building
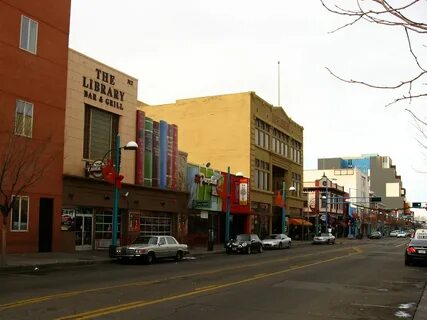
(249, 135)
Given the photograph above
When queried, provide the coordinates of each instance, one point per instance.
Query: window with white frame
(297, 183)
(262, 175)
(24, 118)
(279, 140)
(19, 214)
(28, 39)
(262, 134)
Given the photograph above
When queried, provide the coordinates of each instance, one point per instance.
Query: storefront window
(156, 225)
(104, 226)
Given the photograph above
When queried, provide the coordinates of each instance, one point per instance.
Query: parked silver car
(277, 241)
(328, 238)
(151, 248)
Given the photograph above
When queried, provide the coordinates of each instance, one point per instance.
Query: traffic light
(376, 199)
(416, 204)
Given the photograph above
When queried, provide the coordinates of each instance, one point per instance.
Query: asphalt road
(360, 279)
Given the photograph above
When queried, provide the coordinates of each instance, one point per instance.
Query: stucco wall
(211, 129)
(80, 66)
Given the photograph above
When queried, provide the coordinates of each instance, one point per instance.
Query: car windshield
(242, 237)
(273, 236)
(145, 240)
(324, 235)
(418, 242)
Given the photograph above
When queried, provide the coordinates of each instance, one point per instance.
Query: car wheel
(328, 242)
(249, 250)
(289, 244)
(260, 249)
(179, 255)
(280, 245)
(408, 261)
(151, 258)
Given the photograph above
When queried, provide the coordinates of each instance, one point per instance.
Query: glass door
(83, 231)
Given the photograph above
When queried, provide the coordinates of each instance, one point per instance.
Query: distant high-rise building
(383, 179)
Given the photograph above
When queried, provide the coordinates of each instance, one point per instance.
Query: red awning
(299, 222)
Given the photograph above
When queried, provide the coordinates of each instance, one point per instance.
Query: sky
(194, 48)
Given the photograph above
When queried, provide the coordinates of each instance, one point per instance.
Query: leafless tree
(394, 14)
(23, 162)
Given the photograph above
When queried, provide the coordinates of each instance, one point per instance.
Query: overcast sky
(192, 48)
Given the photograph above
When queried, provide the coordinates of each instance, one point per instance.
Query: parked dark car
(416, 250)
(375, 235)
(244, 243)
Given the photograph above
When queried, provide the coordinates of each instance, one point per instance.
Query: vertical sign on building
(243, 192)
(156, 154)
(148, 157)
(140, 140)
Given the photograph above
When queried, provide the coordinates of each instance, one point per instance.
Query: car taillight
(410, 250)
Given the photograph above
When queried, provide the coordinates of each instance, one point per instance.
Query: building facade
(384, 181)
(33, 80)
(244, 133)
(101, 106)
(327, 205)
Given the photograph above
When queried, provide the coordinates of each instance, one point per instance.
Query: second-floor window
(28, 40)
(262, 175)
(101, 128)
(24, 119)
(262, 134)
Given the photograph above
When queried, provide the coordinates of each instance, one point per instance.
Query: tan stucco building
(94, 85)
(249, 135)
(101, 104)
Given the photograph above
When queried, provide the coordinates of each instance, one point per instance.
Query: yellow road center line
(24, 302)
(141, 303)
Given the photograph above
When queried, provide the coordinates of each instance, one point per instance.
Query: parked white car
(327, 238)
(277, 241)
(151, 248)
(394, 233)
(401, 234)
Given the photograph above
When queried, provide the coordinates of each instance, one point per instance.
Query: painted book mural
(148, 156)
(140, 140)
(156, 154)
(157, 158)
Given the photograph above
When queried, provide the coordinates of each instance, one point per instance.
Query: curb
(40, 268)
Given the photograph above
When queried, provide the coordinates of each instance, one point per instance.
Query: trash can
(210, 239)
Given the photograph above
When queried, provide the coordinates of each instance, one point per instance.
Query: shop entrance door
(84, 228)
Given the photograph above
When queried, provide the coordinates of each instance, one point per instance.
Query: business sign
(102, 89)
(204, 185)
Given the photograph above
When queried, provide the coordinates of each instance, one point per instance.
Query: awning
(299, 222)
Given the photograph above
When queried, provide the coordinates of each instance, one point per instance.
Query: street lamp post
(227, 211)
(131, 145)
(284, 229)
